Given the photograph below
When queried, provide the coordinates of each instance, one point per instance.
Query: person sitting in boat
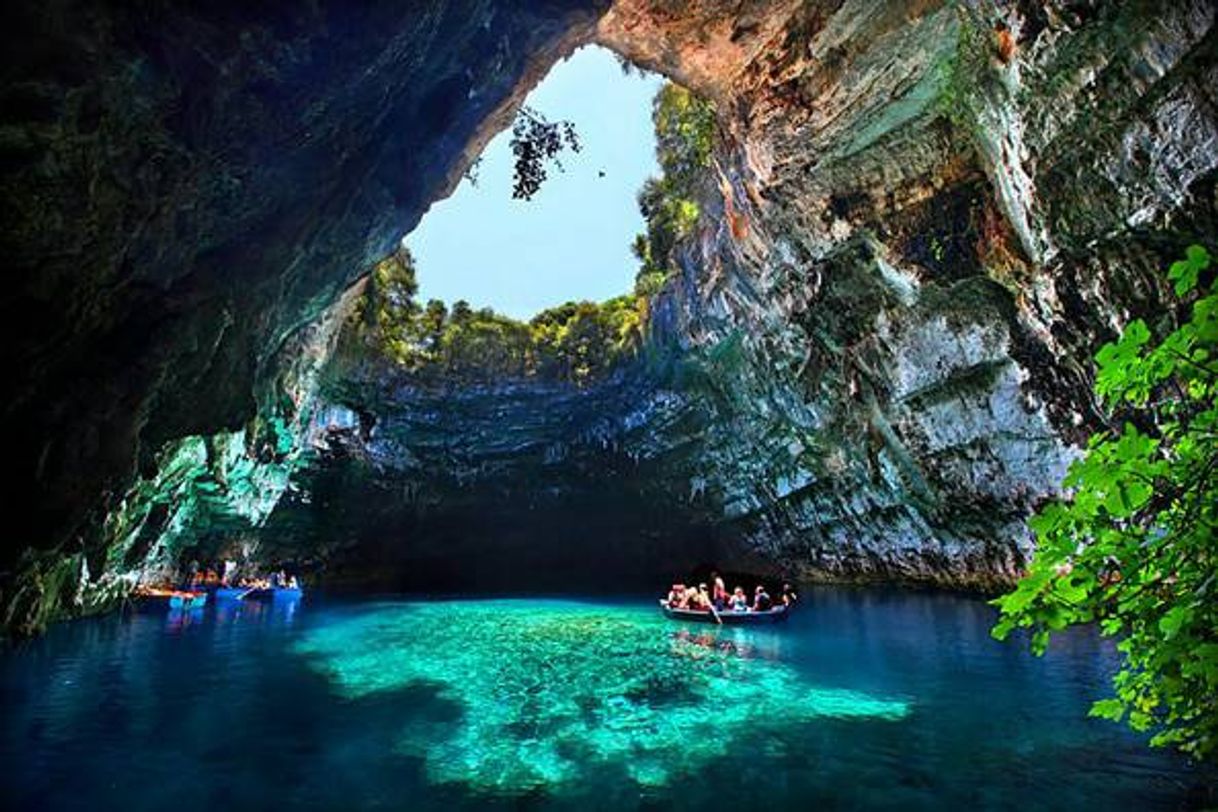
(762, 602)
(690, 599)
(675, 595)
(739, 602)
(293, 583)
(788, 595)
(719, 592)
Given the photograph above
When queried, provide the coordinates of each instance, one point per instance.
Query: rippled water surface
(865, 699)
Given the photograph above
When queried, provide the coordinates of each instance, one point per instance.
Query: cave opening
(485, 409)
(570, 239)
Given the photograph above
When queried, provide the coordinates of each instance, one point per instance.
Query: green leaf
(1113, 709)
(1170, 623)
(1186, 272)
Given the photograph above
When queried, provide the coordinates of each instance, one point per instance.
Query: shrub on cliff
(685, 131)
(1134, 547)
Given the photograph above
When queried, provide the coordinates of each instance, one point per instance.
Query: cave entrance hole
(501, 451)
(567, 235)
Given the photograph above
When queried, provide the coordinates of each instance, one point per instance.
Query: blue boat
(190, 600)
(168, 598)
(230, 593)
(276, 593)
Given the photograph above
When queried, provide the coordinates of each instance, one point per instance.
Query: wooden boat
(729, 618)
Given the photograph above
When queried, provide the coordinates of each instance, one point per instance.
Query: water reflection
(730, 641)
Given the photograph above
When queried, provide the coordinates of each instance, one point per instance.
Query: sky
(572, 240)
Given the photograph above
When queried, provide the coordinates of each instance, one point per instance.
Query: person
(719, 592)
(739, 602)
(230, 569)
(690, 599)
(675, 595)
(703, 599)
(293, 583)
(788, 595)
(762, 602)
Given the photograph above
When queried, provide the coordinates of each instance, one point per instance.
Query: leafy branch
(537, 141)
(1133, 547)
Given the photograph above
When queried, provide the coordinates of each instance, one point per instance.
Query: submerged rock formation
(928, 217)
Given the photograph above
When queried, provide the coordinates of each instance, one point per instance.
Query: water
(864, 700)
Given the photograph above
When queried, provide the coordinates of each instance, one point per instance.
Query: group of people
(276, 580)
(702, 599)
(197, 578)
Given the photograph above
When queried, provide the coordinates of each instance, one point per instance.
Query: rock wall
(930, 217)
(184, 187)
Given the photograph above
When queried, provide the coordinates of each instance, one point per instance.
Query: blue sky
(572, 240)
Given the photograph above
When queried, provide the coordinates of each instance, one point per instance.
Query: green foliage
(578, 342)
(685, 133)
(536, 141)
(1133, 548)
(386, 316)
(575, 342)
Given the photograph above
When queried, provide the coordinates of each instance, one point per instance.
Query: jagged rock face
(523, 485)
(185, 187)
(926, 228)
(925, 225)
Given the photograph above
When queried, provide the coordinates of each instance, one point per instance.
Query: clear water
(864, 700)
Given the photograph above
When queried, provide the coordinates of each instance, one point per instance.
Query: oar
(715, 612)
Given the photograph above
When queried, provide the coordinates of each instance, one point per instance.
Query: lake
(864, 699)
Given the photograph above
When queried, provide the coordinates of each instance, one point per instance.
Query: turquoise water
(864, 700)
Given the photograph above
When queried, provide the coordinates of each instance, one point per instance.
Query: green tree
(387, 312)
(1133, 547)
(537, 141)
(685, 132)
(432, 321)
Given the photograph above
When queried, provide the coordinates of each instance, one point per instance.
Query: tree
(535, 142)
(685, 136)
(388, 308)
(685, 132)
(432, 324)
(1134, 547)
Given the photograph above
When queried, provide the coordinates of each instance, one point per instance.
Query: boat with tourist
(161, 598)
(716, 604)
(727, 617)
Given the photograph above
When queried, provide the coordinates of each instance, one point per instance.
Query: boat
(170, 598)
(729, 618)
(276, 593)
(188, 600)
(230, 593)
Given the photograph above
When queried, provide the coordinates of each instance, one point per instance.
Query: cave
(887, 250)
